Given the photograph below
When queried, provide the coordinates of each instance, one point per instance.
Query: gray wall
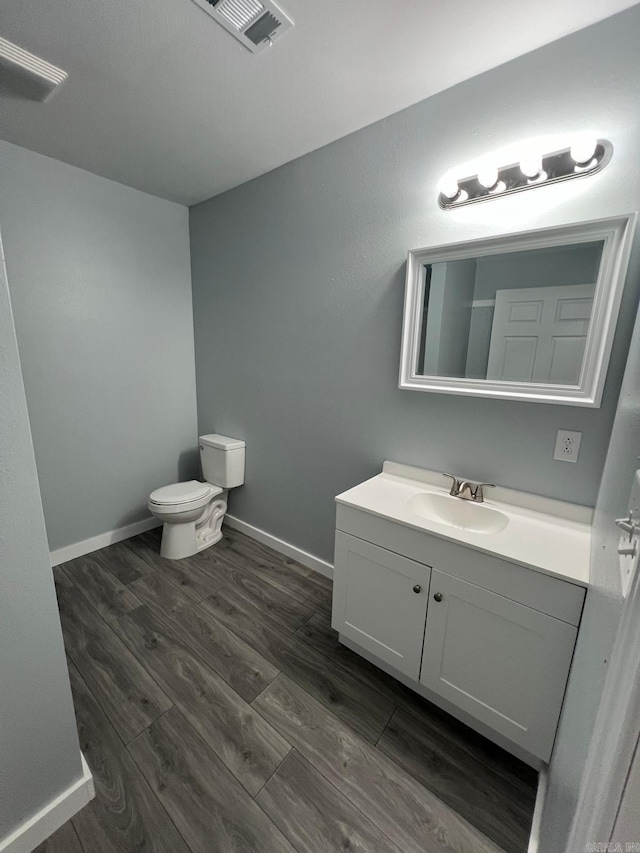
(298, 285)
(431, 324)
(39, 750)
(451, 317)
(539, 268)
(100, 283)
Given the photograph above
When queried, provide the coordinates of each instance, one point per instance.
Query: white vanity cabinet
(380, 602)
(487, 640)
(502, 662)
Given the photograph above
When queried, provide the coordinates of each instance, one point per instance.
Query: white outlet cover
(567, 445)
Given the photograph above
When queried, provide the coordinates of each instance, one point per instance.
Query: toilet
(192, 512)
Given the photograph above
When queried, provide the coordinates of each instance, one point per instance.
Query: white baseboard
(541, 794)
(44, 823)
(281, 546)
(78, 549)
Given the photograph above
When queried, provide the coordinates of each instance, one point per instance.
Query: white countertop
(543, 534)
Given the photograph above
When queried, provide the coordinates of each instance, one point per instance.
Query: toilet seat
(188, 496)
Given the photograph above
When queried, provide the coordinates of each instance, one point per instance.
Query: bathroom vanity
(475, 606)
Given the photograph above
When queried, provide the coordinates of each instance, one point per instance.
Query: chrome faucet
(467, 491)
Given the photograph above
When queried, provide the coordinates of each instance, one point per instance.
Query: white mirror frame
(617, 235)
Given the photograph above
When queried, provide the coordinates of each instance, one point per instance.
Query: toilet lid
(179, 493)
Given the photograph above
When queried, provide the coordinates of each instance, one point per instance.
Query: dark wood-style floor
(218, 712)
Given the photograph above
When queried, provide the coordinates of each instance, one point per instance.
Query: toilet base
(186, 538)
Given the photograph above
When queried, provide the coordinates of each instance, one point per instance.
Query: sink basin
(466, 515)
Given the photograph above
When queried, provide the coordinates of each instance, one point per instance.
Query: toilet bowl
(192, 515)
(192, 512)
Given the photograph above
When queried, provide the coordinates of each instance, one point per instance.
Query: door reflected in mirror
(517, 317)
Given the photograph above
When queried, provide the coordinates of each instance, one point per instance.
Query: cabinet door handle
(438, 596)
(417, 588)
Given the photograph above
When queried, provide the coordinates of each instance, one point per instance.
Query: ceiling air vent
(26, 74)
(255, 23)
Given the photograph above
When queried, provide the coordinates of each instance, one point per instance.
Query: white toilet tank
(222, 460)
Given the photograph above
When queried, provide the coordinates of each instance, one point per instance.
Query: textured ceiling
(161, 98)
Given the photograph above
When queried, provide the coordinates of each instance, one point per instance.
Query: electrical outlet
(567, 445)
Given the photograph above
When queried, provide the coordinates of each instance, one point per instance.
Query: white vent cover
(29, 75)
(255, 23)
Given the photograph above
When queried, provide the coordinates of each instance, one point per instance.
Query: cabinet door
(380, 602)
(502, 662)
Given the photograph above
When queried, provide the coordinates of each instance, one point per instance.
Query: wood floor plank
(125, 815)
(61, 578)
(318, 631)
(65, 840)
(284, 609)
(405, 811)
(248, 746)
(155, 533)
(474, 747)
(108, 595)
(241, 666)
(236, 540)
(443, 747)
(314, 816)
(319, 635)
(127, 693)
(213, 812)
(330, 798)
(471, 746)
(122, 562)
(285, 574)
(192, 576)
(248, 545)
(367, 710)
(472, 787)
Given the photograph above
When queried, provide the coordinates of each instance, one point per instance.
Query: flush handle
(437, 596)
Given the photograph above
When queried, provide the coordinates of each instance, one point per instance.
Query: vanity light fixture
(489, 178)
(586, 156)
(531, 167)
(448, 187)
(583, 152)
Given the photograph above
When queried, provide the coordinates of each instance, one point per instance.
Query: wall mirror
(527, 316)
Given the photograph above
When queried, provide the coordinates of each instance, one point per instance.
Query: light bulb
(583, 149)
(488, 176)
(448, 187)
(531, 166)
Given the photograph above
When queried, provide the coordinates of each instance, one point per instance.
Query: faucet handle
(455, 486)
(478, 492)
